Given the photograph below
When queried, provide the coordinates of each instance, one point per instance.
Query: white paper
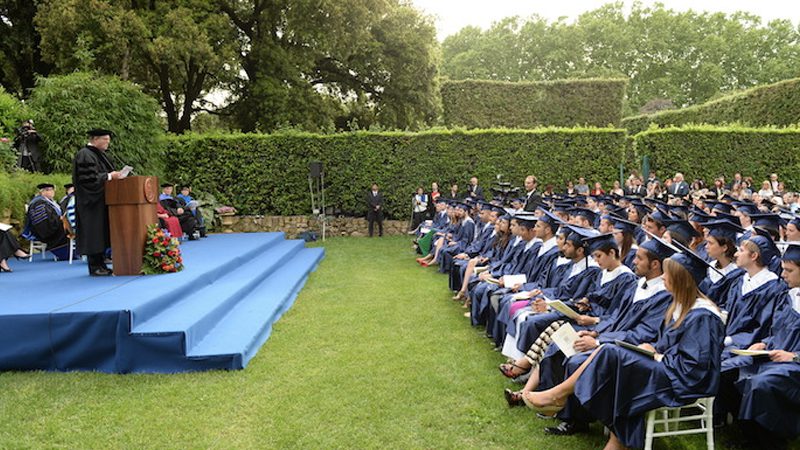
(125, 171)
(561, 307)
(480, 269)
(5, 226)
(524, 295)
(565, 338)
(744, 352)
(513, 280)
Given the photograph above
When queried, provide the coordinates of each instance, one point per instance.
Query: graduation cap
(626, 226)
(485, 205)
(792, 252)
(551, 219)
(498, 209)
(660, 217)
(723, 229)
(441, 200)
(580, 201)
(681, 210)
(600, 242)
(45, 186)
(659, 247)
(579, 235)
(795, 221)
(768, 203)
(748, 208)
(728, 197)
(656, 202)
(766, 246)
(640, 207)
(98, 132)
(462, 205)
(681, 229)
(561, 206)
(768, 220)
(586, 213)
(525, 216)
(730, 217)
(69, 185)
(694, 264)
(699, 216)
(720, 207)
(617, 212)
(163, 185)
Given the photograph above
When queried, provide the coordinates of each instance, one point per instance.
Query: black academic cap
(600, 242)
(660, 216)
(767, 220)
(795, 221)
(720, 207)
(163, 185)
(659, 247)
(525, 217)
(748, 208)
(682, 227)
(462, 205)
(498, 209)
(617, 212)
(98, 132)
(721, 215)
(792, 252)
(44, 186)
(69, 185)
(723, 229)
(625, 225)
(766, 247)
(729, 198)
(579, 235)
(768, 203)
(551, 219)
(694, 264)
(587, 213)
(699, 216)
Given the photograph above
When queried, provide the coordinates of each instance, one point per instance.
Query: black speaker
(315, 169)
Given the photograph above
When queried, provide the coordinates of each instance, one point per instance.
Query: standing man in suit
(532, 197)
(473, 190)
(679, 188)
(637, 188)
(375, 209)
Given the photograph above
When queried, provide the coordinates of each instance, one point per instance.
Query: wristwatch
(796, 358)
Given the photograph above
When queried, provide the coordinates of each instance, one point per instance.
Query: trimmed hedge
(561, 103)
(707, 152)
(268, 174)
(775, 104)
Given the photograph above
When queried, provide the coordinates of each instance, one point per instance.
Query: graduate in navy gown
(502, 245)
(721, 250)
(481, 242)
(462, 237)
(618, 386)
(637, 321)
(625, 233)
(764, 391)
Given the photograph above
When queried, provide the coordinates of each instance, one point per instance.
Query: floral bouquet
(162, 253)
(226, 210)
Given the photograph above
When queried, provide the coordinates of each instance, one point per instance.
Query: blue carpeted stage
(215, 314)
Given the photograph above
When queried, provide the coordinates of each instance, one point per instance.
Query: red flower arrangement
(162, 254)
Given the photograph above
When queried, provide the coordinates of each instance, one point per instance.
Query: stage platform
(215, 314)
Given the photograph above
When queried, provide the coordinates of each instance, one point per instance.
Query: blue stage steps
(216, 314)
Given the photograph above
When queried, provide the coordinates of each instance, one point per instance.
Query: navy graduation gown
(771, 390)
(628, 259)
(619, 386)
(718, 292)
(750, 315)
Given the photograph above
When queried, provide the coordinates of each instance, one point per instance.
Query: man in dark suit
(473, 190)
(375, 209)
(637, 188)
(532, 197)
(679, 188)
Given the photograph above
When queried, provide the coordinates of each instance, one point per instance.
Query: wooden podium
(131, 208)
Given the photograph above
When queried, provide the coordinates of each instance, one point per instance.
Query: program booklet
(562, 307)
(565, 338)
(745, 352)
(4, 226)
(634, 348)
(513, 280)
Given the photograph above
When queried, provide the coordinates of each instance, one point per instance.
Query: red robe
(172, 224)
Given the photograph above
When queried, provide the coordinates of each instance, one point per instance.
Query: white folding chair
(37, 245)
(704, 408)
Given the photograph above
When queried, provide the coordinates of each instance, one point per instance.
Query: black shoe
(513, 398)
(567, 428)
(101, 272)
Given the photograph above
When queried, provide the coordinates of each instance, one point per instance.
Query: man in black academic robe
(175, 209)
(43, 222)
(375, 209)
(91, 169)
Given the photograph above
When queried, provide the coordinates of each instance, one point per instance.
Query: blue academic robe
(619, 386)
(718, 292)
(750, 315)
(628, 259)
(471, 249)
(771, 390)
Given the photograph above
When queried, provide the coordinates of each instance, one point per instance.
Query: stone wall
(294, 225)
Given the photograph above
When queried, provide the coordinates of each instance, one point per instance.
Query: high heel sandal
(459, 296)
(513, 398)
(507, 370)
(548, 410)
(3, 269)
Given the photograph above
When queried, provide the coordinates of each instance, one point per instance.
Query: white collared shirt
(794, 294)
(610, 276)
(715, 276)
(531, 243)
(547, 245)
(654, 286)
(756, 281)
(704, 304)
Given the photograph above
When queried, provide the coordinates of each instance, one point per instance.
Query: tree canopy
(682, 57)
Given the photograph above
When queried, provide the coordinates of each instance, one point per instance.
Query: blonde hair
(752, 247)
(684, 291)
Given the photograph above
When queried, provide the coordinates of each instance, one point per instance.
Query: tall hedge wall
(775, 104)
(707, 152)
(267, 174)
(19, 187)
(563, 103)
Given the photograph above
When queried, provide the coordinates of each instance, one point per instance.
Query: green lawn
(373, 354)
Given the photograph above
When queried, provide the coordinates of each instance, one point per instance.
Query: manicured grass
(373, 354)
